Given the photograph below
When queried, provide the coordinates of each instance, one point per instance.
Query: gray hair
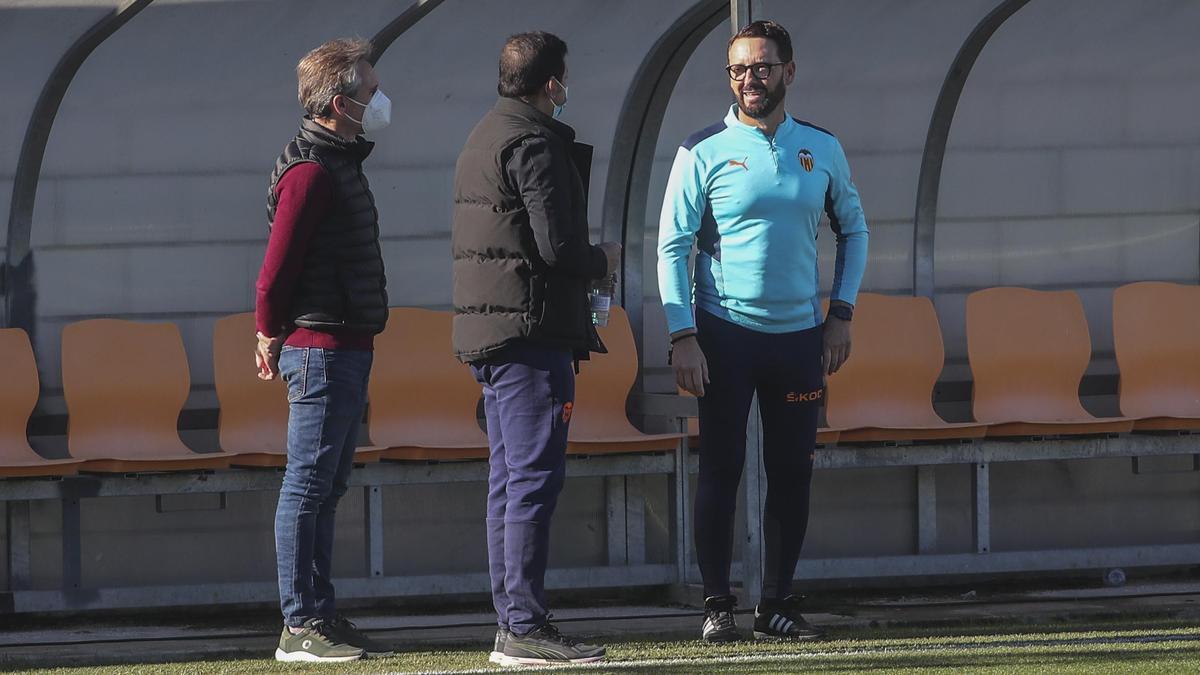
(329, 70)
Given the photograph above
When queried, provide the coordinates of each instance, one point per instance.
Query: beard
(770, 100)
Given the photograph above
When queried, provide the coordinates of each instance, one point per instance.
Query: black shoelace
(791, 608)
(550, 632)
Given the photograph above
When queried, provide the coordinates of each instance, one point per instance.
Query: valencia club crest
(806, 159)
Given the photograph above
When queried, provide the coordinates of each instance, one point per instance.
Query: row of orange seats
(125, 384)
(1028, 351)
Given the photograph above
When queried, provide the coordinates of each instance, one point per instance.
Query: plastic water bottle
(601, 299)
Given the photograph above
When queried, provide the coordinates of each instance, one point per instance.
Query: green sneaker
(345, 631)
(316, 642)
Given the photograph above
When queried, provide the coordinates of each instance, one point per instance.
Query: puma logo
(734, 162)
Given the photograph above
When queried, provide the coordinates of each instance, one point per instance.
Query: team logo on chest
(806, 159)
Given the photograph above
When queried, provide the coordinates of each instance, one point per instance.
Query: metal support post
(681, 511)
(741, 13)
(614, 497)
(635, 520)
(982, 507)
(373, 522)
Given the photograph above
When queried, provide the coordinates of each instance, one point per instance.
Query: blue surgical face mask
(558, 107)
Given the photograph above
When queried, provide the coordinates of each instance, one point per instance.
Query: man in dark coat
(522, 269)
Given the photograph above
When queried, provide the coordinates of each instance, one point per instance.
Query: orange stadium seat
(423, 400)
(828, 436)
(599, 424)
(1156, 333)
(884, 392)
(125, 384)
(254, 413)
(1028, 351)
(18, 397)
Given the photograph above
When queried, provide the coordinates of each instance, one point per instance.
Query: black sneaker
(719, 624)
(545, 646)
(780, 619)
(345, 631)
(316, 642)
(497, 655)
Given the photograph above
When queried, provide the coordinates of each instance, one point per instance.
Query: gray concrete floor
(133, 639)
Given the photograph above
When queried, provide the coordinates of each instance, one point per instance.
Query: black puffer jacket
(342, 285)
(522, 261)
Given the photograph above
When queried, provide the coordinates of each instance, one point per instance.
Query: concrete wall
(1074, 162)
(152, 198)
(151, 207)
(33, 37)
(869, 72)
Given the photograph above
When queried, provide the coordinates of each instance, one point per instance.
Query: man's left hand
(837, 344)
(266, 356)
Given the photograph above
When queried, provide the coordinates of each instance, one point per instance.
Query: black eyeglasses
(760, 71)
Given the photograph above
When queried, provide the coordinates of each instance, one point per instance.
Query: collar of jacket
(515, 106)
(734, 122)
(319, 135)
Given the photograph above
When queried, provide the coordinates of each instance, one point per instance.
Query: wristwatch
(843, 312)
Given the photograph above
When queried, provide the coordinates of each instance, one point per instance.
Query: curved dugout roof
(42, 39)
(150, 200)
(154, 173)
(1074, 160)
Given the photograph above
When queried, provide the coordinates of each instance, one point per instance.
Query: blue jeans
(327, 395)
(528, 394)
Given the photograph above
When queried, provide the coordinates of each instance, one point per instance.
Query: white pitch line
(772, 658)
(643, 663)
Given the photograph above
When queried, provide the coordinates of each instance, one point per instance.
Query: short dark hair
(528, 61)
(768, 30)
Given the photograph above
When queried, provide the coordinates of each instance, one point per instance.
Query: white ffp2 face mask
(377, 113)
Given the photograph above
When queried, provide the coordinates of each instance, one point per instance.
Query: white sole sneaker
(307, 657)
(496, 657)
(790, 638)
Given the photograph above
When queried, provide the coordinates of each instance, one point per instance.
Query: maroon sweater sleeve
(305, 194)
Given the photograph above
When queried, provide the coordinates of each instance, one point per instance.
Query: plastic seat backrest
(420, 393)
(125, 383)
(605, 380)
(896, 359)
(254, 412)
(1156, 334)
(1028, 351)
(18, 394)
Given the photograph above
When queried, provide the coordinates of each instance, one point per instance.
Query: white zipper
(774, 149)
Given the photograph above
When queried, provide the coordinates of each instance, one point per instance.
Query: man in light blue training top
(750, 191)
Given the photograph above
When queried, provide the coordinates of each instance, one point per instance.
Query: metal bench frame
(624, 514)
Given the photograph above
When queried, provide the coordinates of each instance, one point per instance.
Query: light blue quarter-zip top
(752, 204)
